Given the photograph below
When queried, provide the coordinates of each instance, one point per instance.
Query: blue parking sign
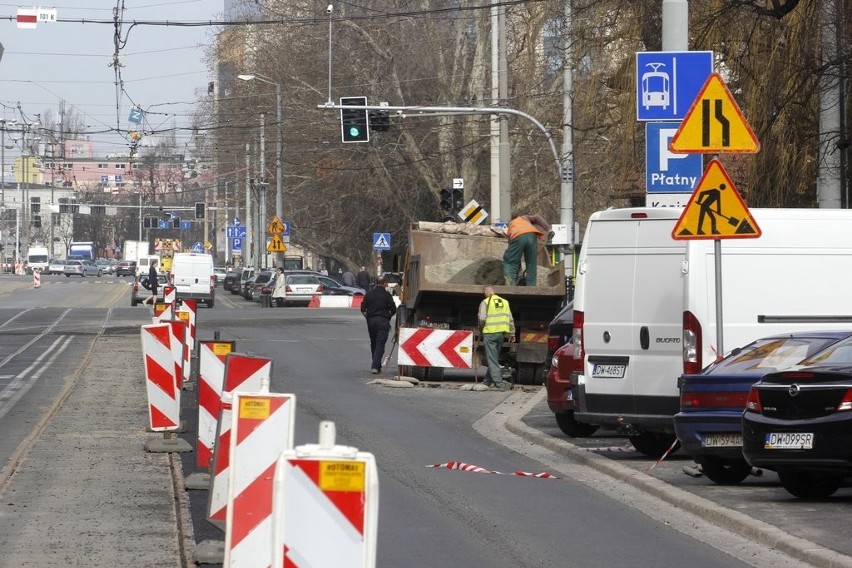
(667, 82)
(666, 171)
(237, 244)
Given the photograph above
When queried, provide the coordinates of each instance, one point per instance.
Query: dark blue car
(709, 424)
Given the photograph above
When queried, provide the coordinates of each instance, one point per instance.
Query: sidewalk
(86, 493)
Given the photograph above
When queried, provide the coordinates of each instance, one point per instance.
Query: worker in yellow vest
(523, 233)
(496, 322)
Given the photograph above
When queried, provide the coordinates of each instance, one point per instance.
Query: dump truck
(446, 268)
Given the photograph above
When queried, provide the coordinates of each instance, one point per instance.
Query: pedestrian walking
(378, 308)
(153, 283)
(496, 322)
(362, 280)
(523, 232)
(348, 278)
(278, 291)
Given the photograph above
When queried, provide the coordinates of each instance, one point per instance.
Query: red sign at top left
(27, 18)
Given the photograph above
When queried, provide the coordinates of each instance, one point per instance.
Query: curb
(757, 531)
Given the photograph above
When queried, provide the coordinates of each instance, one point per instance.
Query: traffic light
(175, 222)
(37, 221)
(379, 120)
(447, 200)
(199, 210)
(354, 123)
(458, 200)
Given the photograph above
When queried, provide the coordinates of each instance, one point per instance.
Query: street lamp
(279, 195)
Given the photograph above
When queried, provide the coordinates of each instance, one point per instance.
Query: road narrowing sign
(716, 210)
(714, 123)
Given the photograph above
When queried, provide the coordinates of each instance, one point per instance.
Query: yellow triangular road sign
(714, 123)
(716, 210)
(276, 245)
(275, 226)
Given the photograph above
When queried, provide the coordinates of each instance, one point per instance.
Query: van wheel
(210, 303)
(806, 484)
(570, 427)
(653, 444)
(133, 302)
(724, 472)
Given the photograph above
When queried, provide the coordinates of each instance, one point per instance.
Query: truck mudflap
(532, 347)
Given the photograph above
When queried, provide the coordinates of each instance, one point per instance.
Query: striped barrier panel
(163, 312)
(180, 351)
(429, 347)
(262, 429)
(211, 379)
(169, 294)
(161, 382)
(335, 301)
(325, 506)
(188, 311)
(243, 373)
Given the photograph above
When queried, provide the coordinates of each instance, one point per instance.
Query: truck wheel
(570, 426)
(806, 484)
(724, 472)
(653, 444)
(528, 374)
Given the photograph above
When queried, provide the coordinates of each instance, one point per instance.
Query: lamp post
(279, 194)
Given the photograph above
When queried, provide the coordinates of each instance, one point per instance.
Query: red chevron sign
(426, 347)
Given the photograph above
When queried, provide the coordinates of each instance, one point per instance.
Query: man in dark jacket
(378, 307)
(362, 280)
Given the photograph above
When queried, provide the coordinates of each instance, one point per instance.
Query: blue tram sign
(667, 82)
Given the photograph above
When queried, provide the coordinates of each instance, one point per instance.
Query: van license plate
(722, 440)
(789, 441)
(608, 371)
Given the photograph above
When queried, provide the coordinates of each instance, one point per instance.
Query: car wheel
(100, 273)
(210, 303)
(653, 444)
(570, 426)
(67, 276)
(724, 472)
(133, 302)
(806, 484)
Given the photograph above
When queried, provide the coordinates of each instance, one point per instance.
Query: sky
(163, 68)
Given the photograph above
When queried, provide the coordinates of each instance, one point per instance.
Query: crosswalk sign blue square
(381, 241)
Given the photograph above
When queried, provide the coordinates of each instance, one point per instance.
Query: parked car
(300, 288)
(262, 279)
(331, 287)
(106, 265)
(798, 422)
(82, 268)
(247, 286)
(559, 333)
(56, 266)
(139, 292)
(231, 279)
(560, 396)
(245, 274)
(709, 424)
(125, 268)
(220, 272)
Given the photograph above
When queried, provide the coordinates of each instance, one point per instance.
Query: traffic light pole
(564, 171)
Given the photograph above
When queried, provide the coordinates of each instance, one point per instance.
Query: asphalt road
(590, 516)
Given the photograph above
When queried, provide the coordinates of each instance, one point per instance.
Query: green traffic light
(354, 132)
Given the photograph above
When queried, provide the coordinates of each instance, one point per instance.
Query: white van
(143, 264)
(193, 277)
(645, 305)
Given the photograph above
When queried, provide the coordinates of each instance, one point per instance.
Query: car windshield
(840, 352)
(769, 354)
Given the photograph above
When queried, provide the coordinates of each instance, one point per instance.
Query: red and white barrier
(36, 278)
(211, 379)
(427, 347)
(180, 350)
(263, 425)
(188, 311)
(319, 301)
(161, 381)
(163, 312)
(169, 294)
(243, 373)
(326, 505)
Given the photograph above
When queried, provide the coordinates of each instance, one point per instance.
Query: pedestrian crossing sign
(715, 210)
(381, 241)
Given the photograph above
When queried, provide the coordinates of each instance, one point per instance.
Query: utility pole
(247, 244)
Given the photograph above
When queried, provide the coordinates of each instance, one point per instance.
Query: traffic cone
(315, 301)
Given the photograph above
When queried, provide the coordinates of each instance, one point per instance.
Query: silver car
(82, 268)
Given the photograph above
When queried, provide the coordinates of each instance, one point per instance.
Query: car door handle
(644, 337)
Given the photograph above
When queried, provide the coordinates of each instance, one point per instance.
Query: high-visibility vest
(520, 226)
(497, 315)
